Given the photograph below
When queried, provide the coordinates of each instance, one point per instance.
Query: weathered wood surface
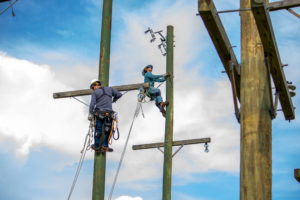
(264, 26)
(98, 192)
(167, 167)
(220, 39)
(256, 123)
(174, 143)
(297, 174)
(90, 91)
(286, 4)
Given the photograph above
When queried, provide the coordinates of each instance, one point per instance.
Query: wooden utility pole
(259, 59)
(256, 122)
(100, 158)
(167, 177)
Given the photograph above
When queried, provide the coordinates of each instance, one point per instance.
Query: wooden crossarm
(90, 91)
(297, 174)
(175, 143)
(220, 39)
(286, 4)
(267, 37)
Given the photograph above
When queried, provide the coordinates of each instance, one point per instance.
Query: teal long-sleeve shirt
(151, 78)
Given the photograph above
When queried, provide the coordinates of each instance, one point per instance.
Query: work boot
(163, 104)
(106, 149)
(95, 148)
(162, 107)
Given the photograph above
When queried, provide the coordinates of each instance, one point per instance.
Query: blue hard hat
(145, 69)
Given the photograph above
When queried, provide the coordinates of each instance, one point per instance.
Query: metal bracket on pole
(234, 92)
(158, 147)
(177, 150)
(272, 110)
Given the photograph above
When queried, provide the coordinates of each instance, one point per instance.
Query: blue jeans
(155, 95)
(98, 134)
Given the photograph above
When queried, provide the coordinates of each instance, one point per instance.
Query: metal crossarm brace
(272, 109)
(215, 28)
(173, 153)
(90, 91)
(266, 33)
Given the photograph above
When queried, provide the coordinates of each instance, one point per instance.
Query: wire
(83, 152)
(81, 101)
(8, 7)
(123, 152)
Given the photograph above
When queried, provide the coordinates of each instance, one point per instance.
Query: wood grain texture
(265, 29)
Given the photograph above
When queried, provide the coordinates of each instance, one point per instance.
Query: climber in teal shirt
(153, 92)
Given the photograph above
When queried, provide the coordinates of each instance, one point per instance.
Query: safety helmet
(145, 69)
(95, 82)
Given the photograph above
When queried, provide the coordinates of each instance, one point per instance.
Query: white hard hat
(94, 81)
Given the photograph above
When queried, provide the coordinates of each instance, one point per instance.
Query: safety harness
(110, 124)
(103, 93)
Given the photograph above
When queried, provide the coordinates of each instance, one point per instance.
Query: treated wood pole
(167, 177)
(100, 158)
(256, 124)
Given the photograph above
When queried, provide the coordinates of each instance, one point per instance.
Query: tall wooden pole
(256, 124)
(100, 158)
(167, 177)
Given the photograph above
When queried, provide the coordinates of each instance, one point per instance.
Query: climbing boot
(162, 107)
(97, 149)
(106, 149)
(163, 104)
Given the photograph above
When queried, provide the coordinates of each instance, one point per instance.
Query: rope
(86, 147)
(123, 152)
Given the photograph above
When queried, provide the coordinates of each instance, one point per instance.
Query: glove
(115, 100)
(90, 117)
(166, 75)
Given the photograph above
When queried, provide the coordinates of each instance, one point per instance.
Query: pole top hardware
(163, 41)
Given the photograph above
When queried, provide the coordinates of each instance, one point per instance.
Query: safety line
(123, 153)
(83, 152)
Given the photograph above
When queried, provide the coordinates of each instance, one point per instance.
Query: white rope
(137, 110)
(86, 147)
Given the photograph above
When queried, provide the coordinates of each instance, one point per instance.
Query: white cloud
(61, 124)
(128, 198)
(30, 115)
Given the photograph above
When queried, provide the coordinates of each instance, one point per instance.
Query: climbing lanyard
(143, 94)
(114, 130)
(137, 110)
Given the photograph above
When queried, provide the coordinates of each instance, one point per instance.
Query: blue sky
(52, 46)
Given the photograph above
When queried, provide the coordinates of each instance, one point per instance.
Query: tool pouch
(107, 124)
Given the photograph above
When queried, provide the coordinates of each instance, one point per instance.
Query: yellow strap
(111, 131)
